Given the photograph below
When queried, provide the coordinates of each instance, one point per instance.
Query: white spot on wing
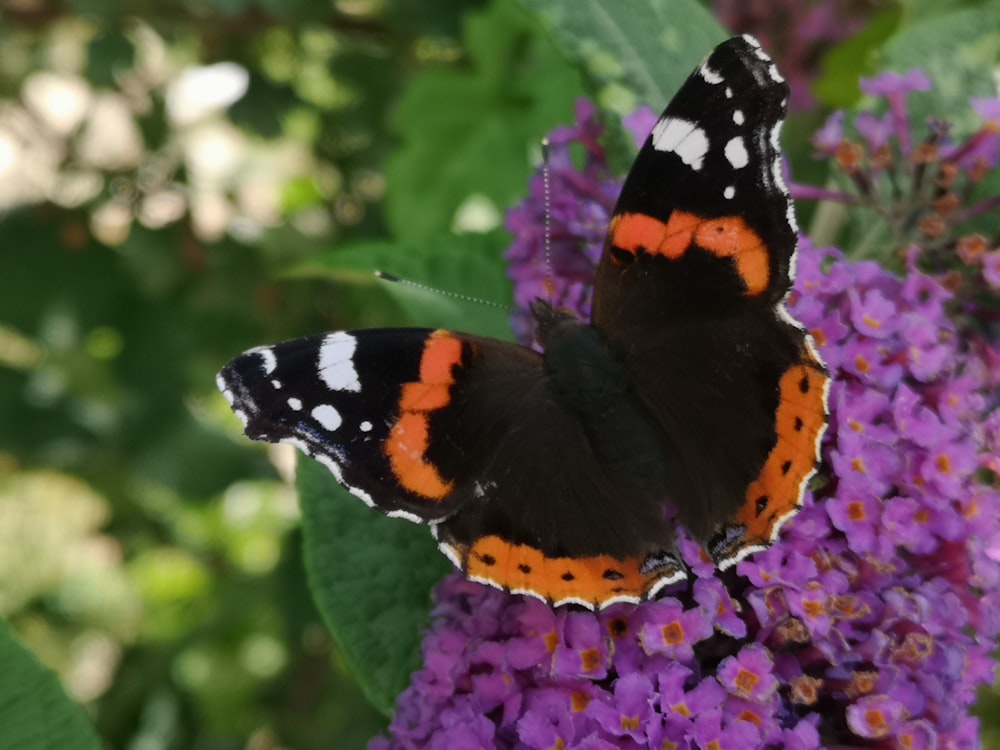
(336, 362)
(294, 404)
(276, 384)
(710, 76)
(683, 138)
(736, 153)
(738, 117)
(763, 57)
(327, 416)
(223, 387)
(267, 355)
(729, 192)
(365, 426)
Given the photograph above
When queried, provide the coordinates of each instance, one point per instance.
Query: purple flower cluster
(925, 189)
(870, 623)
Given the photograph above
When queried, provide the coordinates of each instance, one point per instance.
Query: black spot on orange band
(594, 580)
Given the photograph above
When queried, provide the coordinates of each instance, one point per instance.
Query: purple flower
(711, 730)
(582, 650)
(984, 146)
(875, 716)
(925, 188)
(991, 268)
(896, 84)
(581, 204)
(670, 630)
(870, 622)
(640, 123)
(628, 710)
(874, 129)
(894, 87)
(748, 674)
(828, 138)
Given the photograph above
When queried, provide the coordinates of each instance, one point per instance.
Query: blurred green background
(181, 181)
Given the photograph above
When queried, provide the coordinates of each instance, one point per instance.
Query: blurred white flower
(199, 92)
(111, 139)
(59, 101)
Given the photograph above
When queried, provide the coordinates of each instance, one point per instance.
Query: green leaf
(469, 132)
(371, 577)
(35, 712)
(109, 55)
(462, 266)
(856, 56)
(636, 53)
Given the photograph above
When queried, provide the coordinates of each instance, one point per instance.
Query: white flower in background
(199, 92)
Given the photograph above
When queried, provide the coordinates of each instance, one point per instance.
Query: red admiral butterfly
(546, 474)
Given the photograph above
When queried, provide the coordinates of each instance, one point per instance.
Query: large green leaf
(35, 713)
(637, 53)
(371, 577)
(467, 133)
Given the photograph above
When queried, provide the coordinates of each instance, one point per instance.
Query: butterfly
(546, 473)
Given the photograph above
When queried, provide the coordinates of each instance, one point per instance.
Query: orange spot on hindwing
(724, 237)
(409, 438)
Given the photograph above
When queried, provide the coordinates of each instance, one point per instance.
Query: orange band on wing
(594, 580)
(724, 237)
(800, 420)
(635, 232)
(408, 440)
(424, 396)
(441, 353)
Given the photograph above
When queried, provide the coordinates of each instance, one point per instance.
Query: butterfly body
(547, 474)
(588, 378)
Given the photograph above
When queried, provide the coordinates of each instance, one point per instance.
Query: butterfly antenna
(443, 292)
(550, 285)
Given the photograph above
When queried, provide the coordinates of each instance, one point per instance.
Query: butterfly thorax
(587, 377)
